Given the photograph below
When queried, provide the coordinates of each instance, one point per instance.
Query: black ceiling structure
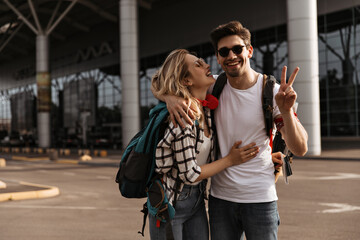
(22, 20)
(69, 19)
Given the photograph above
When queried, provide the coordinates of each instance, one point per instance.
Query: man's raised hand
(286, 96)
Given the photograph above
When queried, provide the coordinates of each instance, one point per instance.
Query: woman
(187, 153)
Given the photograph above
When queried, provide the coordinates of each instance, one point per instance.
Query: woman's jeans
(190, 220)
(229, 220)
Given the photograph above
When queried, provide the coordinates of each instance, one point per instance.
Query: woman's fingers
(252, 152)
(249, 151)
(237, 144)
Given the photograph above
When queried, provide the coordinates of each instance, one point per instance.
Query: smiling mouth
(208, 74)
(232, 64)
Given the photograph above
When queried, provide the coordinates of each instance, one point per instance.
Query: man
(243, 198)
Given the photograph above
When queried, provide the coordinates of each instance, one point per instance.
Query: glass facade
(86, 109)
(339, 51)
(339, 66)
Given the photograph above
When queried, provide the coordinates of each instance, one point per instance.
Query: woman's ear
(187, 82)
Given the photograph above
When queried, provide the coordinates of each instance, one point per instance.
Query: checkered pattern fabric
(176, 155)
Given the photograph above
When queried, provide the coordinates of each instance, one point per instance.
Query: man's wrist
(286, 112)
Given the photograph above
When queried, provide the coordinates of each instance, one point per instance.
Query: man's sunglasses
(237, 49)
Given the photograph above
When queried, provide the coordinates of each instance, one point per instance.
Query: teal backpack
(136, 176)
(137, 165)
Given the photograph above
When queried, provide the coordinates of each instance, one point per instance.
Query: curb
(49, 191)
(23, 158)
(99, 164)
(86, 163)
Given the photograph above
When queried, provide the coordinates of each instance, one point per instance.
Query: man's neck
(245, 81)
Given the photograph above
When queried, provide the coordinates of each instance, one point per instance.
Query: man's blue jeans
(190, 220)
(229, 220)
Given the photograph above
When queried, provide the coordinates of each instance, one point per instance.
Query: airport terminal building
(77, 73)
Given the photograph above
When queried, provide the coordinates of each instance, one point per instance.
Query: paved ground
(322, 200)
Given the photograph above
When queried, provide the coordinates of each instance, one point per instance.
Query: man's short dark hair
(229, 29)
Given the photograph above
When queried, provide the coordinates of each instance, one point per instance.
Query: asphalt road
(321, 202)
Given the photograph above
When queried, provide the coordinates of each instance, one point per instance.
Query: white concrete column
(303, 52)
(129, 69)
(43, 81)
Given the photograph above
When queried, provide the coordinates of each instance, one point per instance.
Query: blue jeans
(229, 220)
(190, 220)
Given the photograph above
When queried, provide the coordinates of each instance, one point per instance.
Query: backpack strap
(219, 85)
(267, 101)
(216, 92)
(145, 211)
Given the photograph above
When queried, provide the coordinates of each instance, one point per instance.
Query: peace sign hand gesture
(286, 97)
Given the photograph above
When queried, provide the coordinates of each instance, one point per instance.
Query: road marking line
(50, 207)
(69, 173)
(339, 208)
(104, 177)
(60, 207)
(340, 176)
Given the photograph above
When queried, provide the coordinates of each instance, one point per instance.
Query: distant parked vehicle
(71, 141)
(13, 141)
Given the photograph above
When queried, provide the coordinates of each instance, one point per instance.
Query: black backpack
(278, 143)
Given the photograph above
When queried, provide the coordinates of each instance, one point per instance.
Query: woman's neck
(199, 93)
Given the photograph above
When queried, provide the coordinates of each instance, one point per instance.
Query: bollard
(53, 155)
(67, 152)
(2, 162)
(103, 153)
(96, 152)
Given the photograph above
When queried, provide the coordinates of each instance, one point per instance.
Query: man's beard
(233, 73)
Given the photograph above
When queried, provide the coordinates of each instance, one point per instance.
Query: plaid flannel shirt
(176, 155)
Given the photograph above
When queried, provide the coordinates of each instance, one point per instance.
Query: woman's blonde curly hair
(170, 79)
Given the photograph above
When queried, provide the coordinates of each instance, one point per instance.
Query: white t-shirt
(203, 155)
(204, 151)
(239, 116)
